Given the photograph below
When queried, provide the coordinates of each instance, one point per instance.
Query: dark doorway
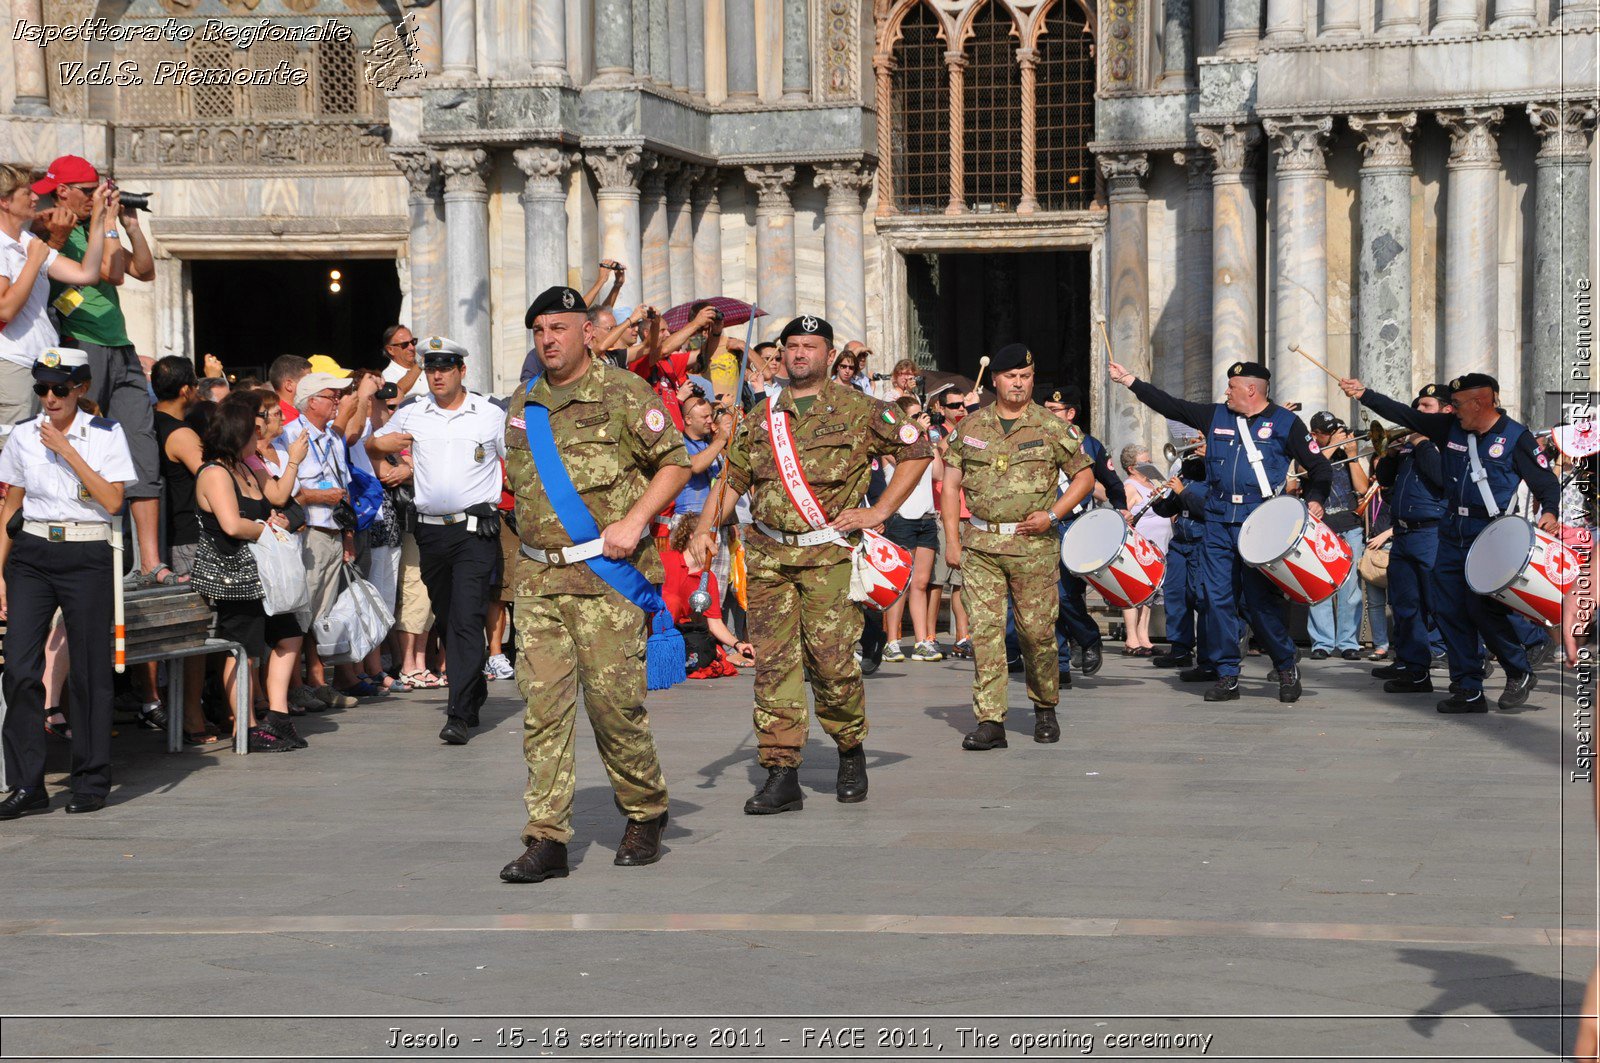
(249, 312)
(964, 306)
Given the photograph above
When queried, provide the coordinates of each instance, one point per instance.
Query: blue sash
(575, 518)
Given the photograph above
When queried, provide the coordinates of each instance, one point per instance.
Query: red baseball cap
(67, 170)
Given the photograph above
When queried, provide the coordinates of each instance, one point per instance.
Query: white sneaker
(892, 654)
(498, 667)
(927, 651)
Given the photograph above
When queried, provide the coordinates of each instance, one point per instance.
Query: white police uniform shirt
(455, 453)
(53, 491)
(324, 467)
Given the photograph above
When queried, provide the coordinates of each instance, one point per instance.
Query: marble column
(678, 42)
(844, 267)
(660, 43)
(1177, 48)
(1286, 21)
(739, 31)
(427, 33)
(707, 202)
(695, 18)
(774, 244)
(1241, 27)
(1400, 18)
(796, 50)
(1456, 18)
(641, 39)
(549, 40)
(1560, 250)
(1300, 283)
(466, 222)
(956, 70)
(1341, 18)
(1383, 275)
(680, 235)
(1028, 72)
(460, 32)
(654, 260)
(617, 171)
(544, 216)
(1472, 242)
(1194, 275)
(425, 246)
(1128, 289)
(1576, 14)
(1235, 318)
(613, 41)
(1514, 15)
(27, 58)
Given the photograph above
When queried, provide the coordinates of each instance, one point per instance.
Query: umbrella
(734, 312)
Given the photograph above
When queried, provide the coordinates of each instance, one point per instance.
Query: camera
(936, 418)
(136, 201)
(697, 391)
(388, 391)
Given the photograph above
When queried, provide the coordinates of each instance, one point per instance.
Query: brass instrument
(1171, 453)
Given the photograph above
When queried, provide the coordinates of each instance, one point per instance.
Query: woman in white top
(1135, 462)
(914, 528)
(27, 266)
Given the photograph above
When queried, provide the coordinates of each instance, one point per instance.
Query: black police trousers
(458, 569)
(76, 577)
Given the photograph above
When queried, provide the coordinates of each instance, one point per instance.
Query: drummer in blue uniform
(1073, 620)
(1250, 443)
(1485, 455)
(67, 472)
(1182, 588)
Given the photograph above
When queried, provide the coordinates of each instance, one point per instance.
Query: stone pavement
(1384, 881)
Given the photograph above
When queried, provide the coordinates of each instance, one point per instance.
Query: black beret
(557, 300)
(1468, 381)
(806, 325)
(1433, 391)
(1011, 356)
(1043, 393)
(1255, 369)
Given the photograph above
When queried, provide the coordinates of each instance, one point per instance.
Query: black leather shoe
(84, 803)
(153, 719)
(1409, 685)
(1224, 690)
(1046, 728)
(1289, 684)
(852, 784)
(1350, 655)
(987, 735)
(1092, 660)
(1198, 675)
(1517, 690)
(24, 803)
(1391, 671)
(641, 842)
(1462, 702)
(780, 793)
(1538, 654)
(1320, 655)
(1172, 660)
(454, 731)
(544, 859)
(1064, 681)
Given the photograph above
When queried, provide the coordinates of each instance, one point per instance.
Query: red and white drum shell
(883, 569)
(1522, 567)
(1125, 567)
(1302, 556)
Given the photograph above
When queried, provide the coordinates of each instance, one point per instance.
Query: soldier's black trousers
(458, 569)
(76, 577)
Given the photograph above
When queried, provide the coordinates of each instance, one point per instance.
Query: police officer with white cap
(456, 442)
(67, 472)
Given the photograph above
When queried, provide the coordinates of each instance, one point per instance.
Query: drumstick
(1107, 338)
(977, 384)
(1295, 347)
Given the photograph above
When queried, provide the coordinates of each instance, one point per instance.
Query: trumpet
(1378, 438)
(1171, 453)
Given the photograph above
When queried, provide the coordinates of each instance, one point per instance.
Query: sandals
(388, 682)
(142, 579)
(57, 729)
(423, 680)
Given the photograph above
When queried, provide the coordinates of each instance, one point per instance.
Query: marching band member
(1183, 587)
(1485, 455)
(1250, 442)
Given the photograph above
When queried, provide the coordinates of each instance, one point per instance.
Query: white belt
(567, 555)
(821, 537)
(441, 518)
(70, 531)
(1003, 529)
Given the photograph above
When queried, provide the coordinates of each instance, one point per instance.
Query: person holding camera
(456, 443)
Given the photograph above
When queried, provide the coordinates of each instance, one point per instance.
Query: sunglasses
(60, 391)
(407, 343)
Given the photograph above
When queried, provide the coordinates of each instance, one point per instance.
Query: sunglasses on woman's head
(60, 391)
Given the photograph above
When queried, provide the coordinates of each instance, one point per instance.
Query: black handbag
(223, 576)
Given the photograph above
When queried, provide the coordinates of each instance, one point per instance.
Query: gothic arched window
(920, 91)
(1066, 110)
(992, 106)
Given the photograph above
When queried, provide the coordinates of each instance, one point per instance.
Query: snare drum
(1305, 558)
(1125, 567)
(1521, 567)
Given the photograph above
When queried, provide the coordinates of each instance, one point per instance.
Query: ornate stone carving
(707, 182)
(464, 171)
(772, 187)
(546, 169)
(833, 70)
(618, 167)
(250, 145)
(1563, 129)
(420, 172)
(1124, 172)
(1232, 146)
(1198, 164)
(844, 182)
(1121, 49)
(654, 183)
(1472, 141)
(1300, 143)
(680, 185)
(1385, 138)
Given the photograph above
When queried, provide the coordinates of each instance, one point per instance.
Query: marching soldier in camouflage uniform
(627, 462)
(1007, 458)
(800, 614)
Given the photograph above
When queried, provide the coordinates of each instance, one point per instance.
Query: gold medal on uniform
(477, 455)
(83, 494)
(1000, 464)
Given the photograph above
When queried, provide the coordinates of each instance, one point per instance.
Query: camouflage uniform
(800, 614)
(1005, 477)
(572, 627)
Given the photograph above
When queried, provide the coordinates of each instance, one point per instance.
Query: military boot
(852, 785)
(544, 859)
(780, 793)
(987, 735)
(641, 842)
(1045, 727)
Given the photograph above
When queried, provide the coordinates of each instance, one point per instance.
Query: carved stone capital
(680, 188)
(1564, 129)
(1232, 146)
(845, 182)
(1300, 143)
(545, 167)
(1385, 138)
(772, 186)
(1198, 165)
(1472, 141)
(707, 183)
(618, 168)
(1124, 172)
(653, 185)
(465, 170)
(422, 174)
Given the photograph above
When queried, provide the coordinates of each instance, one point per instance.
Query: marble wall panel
(1167, 185)
(810, 284)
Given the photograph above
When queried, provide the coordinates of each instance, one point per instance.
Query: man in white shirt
(456, 439)
(403, 371)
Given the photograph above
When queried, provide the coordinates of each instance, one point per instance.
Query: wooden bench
(174, 623)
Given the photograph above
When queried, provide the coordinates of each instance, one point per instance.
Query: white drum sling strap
(1480, 477)
(1256, 461)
